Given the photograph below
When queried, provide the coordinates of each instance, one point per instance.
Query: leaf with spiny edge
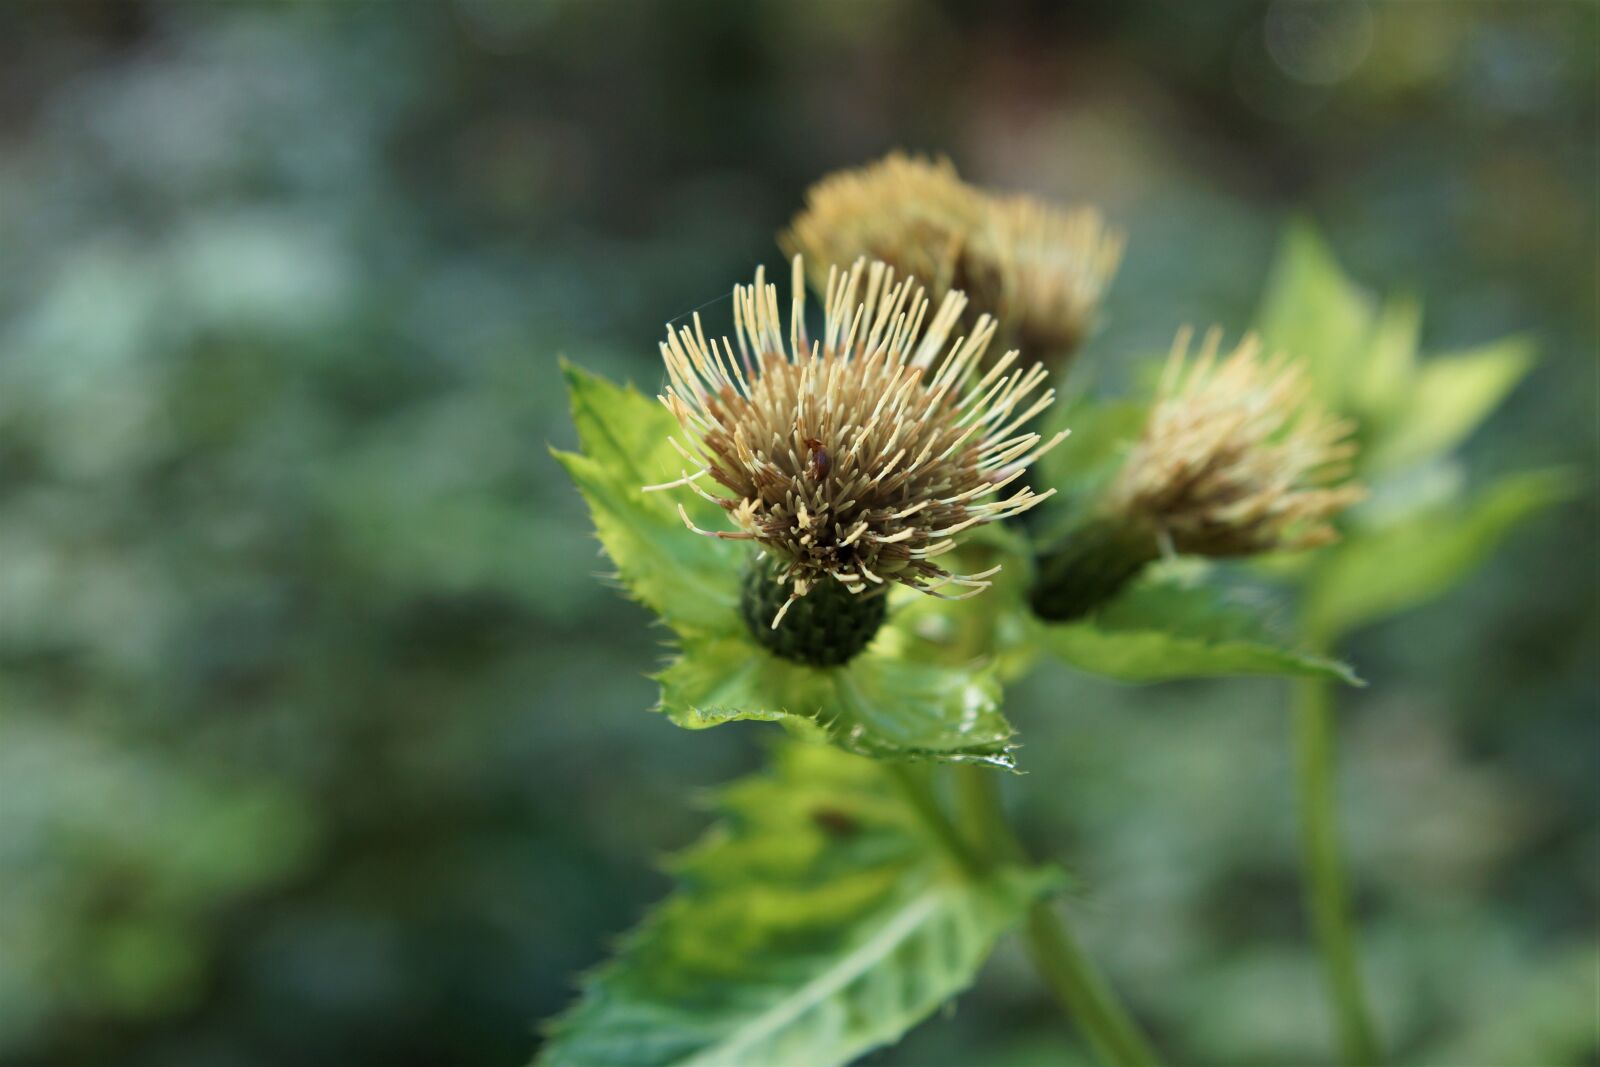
(820, 920)
(690, 581)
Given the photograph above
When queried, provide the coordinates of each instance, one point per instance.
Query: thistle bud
(1235, 460)
(1056, 266)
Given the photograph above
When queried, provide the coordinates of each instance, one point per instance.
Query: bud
(826, 628)
(853, 461)
(1235, 460)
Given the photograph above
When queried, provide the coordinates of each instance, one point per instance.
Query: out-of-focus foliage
(319, 742)
(1417, 538)
(1407, 562)
(821, 921)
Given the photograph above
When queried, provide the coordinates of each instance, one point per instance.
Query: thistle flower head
(1039, 270)
(1235, 458)
(913, 214)
(858, 456)
(1056, 266)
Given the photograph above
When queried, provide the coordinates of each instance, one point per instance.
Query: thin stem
(1061, 962)
(1327, 892)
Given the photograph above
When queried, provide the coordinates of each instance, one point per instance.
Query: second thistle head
(1039, 269)
(1235, 460)
(852, 460)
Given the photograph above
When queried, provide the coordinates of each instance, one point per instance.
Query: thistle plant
(815, 519)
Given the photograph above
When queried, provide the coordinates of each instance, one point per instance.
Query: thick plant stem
(1072, 977)
(1327, 893)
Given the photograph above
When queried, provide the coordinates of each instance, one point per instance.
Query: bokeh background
(322, 742)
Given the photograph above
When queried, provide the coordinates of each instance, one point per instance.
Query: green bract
(875, 704)
(819, 921)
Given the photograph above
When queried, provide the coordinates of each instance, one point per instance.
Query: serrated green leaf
(818, 922)
(1172, 624)
(1373, 574)
(691, 581)
(1448, 397)
(876, 704)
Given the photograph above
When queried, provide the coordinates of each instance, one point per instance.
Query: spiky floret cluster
(1040, 270)
(911, 213)
(1235, 458)
(856, 457)
(1056, 265)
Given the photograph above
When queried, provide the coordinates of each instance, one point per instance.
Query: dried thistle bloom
(1236, 459)
(913, 214)
(856, 458)
(1056, 266)
(1039, 270)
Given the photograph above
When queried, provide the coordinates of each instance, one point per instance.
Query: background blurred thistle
(1039, 270)
(1235, 459)
(853, 460)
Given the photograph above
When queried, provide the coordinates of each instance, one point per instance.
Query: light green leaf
(1447, 399)
(1314, 312)
(876, 704)
(1373, 574)
(1542, 1012)
(1172, 624)
(690, 580)
(1381, 384)
(818, 922)
(1365, 364)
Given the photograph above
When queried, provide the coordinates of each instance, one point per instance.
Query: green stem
(1327, 892)
(918, 791)
(1061, 962)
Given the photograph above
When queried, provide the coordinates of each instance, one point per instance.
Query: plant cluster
(862, 529)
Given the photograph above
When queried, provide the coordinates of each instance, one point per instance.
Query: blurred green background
(321, 740)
